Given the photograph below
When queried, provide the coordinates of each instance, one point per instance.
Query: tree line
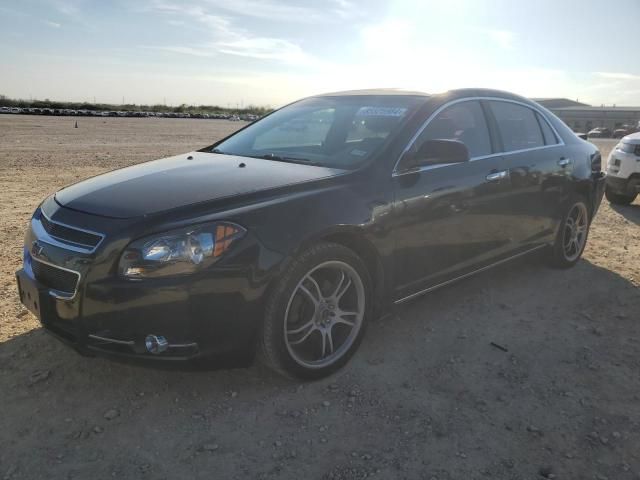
(132, 107)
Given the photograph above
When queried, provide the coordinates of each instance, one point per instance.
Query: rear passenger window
(549, 136)
(518, 126)
(464, 122)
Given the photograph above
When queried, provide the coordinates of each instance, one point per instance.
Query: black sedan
(287, 237)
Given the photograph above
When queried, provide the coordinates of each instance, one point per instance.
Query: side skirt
(435, 287)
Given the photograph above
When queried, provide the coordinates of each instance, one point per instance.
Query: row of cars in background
(623, 171)
(104, 113)
(604, 132)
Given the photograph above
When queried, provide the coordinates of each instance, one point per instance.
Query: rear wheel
(315, 319)
(619, 198)
(572, 235)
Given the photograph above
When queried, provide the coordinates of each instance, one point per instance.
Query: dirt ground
(426, 397)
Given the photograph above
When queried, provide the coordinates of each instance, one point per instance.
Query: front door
(449, 219)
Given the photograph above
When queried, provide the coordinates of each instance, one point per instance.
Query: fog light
(156, 344)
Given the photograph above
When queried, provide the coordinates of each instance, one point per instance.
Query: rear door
(538, 169)
(448, 219)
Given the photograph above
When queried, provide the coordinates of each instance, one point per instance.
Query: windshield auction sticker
(381, 112)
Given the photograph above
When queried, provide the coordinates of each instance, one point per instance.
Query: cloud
(264, 48)
(390, 37)
(72, 10)
(617, 75)
(66, 7)
(281, 12)
(196, 52)
(228, 39)
(52, 24)
(12, 12)
(503, 38)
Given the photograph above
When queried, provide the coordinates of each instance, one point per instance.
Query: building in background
(582, 117)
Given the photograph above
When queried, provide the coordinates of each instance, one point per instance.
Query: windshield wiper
(271, 156)
(279, 158)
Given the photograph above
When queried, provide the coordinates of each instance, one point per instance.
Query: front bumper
(209, 318)
(214, 330)
(624, 186)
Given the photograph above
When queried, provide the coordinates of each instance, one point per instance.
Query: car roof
(447, 95)
(374, 91)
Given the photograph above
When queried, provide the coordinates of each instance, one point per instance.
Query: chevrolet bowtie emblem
(36, 249)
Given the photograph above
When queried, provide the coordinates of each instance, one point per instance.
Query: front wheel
(619, 198)
(316, 316)
(572, 235)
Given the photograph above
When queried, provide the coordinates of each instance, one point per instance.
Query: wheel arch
(585, 189)
(355, 239)
(369, 254)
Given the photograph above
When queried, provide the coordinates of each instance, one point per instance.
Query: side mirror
(583, 136)
(440, 151)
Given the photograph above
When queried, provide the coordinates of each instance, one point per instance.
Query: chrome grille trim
(42, 234)
(52, 291)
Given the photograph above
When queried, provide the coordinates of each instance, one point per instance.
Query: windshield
(338, 132)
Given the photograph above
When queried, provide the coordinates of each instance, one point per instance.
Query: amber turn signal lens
(225, 235)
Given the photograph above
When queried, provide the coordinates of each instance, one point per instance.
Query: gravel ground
(426, 397)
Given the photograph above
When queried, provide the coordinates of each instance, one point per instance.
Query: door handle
(495, 176)
(563, 162)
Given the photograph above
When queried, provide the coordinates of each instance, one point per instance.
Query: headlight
(180, 251)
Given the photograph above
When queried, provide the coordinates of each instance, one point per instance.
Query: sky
(270, 52)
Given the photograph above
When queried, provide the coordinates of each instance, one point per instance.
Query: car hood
(183, 180)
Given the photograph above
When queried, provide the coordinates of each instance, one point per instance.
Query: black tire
(619, 198)
(558, 256)
(273, 349)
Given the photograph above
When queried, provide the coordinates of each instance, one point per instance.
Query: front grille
(70, 235)
(55, 278)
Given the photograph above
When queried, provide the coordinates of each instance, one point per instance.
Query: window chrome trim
(426, 123)
(45, 236)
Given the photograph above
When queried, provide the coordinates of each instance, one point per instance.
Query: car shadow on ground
(501, 357)
(630, 212)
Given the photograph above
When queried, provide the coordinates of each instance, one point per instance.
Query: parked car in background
(620, 132)
(624, 131)
(623, 171)
(288, 241)
(599, 132)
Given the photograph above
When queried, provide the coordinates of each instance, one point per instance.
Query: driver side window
(464, 122)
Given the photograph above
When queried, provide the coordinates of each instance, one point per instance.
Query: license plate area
(30, 295)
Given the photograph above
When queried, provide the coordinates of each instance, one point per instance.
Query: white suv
(623, 171)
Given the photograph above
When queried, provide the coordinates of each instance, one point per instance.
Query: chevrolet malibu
(287, 237)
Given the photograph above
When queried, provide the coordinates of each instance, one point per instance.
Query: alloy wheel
(324, 314)
(575, 232)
